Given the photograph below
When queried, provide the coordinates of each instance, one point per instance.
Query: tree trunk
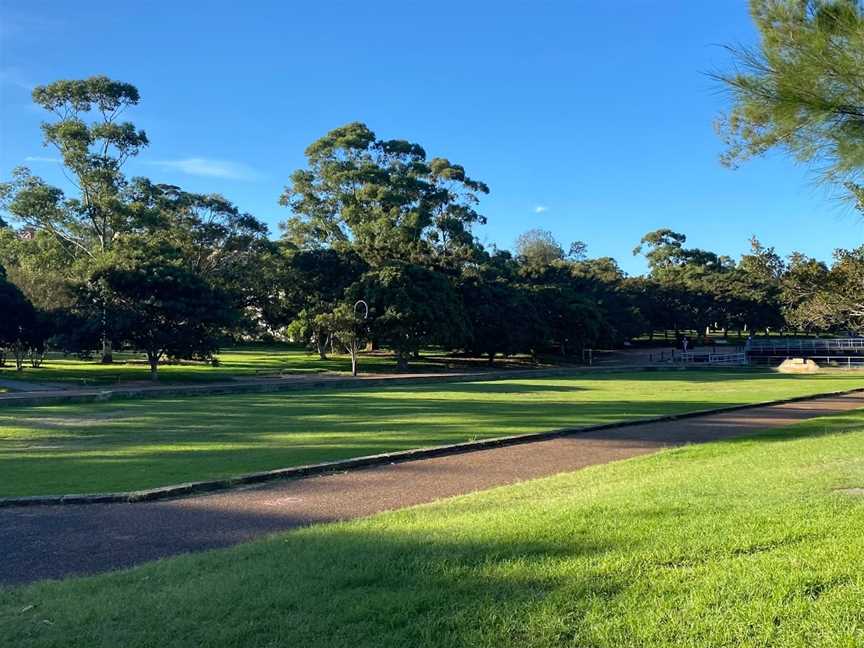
(401, 360)
(154, 366)
(107, 352)
(107, 355)
(19, 355)
(491, 358)
(322, 346)
(354, 362)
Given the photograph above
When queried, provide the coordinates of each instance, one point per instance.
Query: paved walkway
(57, 541)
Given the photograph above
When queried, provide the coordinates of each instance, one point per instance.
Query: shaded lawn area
(135, 444)
(737, 543)
(239, 362)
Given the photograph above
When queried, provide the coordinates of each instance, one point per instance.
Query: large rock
(798, 365)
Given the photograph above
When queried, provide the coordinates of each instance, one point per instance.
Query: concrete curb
(298, 472)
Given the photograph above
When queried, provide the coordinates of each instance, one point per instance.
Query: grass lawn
(737, 543)
(133, 444)
(240, 362)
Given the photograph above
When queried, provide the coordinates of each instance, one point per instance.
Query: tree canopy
(159, 306)
(801, 89)
(173, 273)
(384, 198)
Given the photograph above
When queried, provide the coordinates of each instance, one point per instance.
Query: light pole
(354, 349)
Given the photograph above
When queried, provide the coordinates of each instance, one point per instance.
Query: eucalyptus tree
(17, 323)
(663, 249)
(42, 266)
(762, 263)
(818, 297)
(604, 282)
(570, 321)
(500, 316)
(93, 144)
(756, 288)
(224, 245)
(538, 248)
(315, 282)
(410, 307)
(407, 217)
(346, 324)
(158, 304)
(689, 278)
(93, 154)
(656, 304)
(383, 198)
(841, 299)
(802, 281)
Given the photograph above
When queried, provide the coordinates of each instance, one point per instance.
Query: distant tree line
(124, 262)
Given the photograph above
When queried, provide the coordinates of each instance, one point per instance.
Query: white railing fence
(814, 345)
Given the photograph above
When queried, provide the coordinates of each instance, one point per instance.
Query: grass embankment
(134, 444)
(742, 543)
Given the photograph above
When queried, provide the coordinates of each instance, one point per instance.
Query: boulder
(798, 365)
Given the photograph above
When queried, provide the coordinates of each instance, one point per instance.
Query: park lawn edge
(187, 489)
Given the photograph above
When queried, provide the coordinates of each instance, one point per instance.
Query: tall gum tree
(384, 199)
(408, 218)
(93, 153)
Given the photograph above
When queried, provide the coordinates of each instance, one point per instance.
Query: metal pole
(354, 334)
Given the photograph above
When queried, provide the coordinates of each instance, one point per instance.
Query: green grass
(741, 543)
(133, 444)
(239, 362)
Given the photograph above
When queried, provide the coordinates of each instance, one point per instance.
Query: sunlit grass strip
(141, 444)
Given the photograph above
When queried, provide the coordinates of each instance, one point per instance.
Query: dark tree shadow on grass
(331, 587)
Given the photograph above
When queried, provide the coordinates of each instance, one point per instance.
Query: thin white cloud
(209, 168)
(14, 77)
(42, 158)
(539, 209)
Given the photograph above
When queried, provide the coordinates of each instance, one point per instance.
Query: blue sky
(590, 119)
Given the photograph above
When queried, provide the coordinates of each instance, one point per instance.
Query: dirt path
(57, 541)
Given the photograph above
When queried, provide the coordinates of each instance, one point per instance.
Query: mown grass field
(134, 444)
(752, 542)
(238, 362)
